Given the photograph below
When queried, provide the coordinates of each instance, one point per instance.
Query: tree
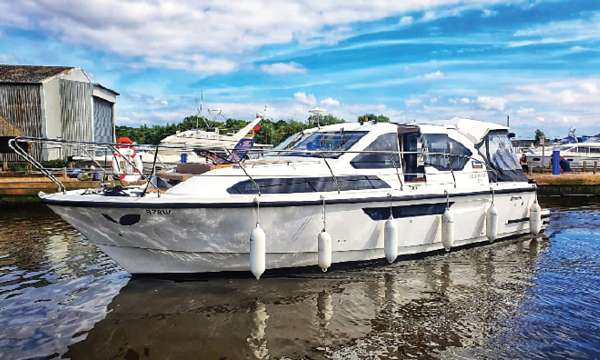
(373, 117)
(271, 132)
(539, 135)
(324, 120)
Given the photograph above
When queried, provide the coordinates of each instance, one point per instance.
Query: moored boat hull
(200, 239)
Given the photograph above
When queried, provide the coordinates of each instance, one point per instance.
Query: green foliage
(373, 117)
(271, 132)
(54, 164)
(539, 134)
(17, 167)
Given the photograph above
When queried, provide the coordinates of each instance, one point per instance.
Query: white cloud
(429, 15)
(463, 100)
(568, 92)
(330, 102)
(306, 99)
(525, 111)
(434, 75)
(491, 102)
(207, 37)
(488, 13)
(282, 68)
(412, 101)
(559, 32)
(406, 20)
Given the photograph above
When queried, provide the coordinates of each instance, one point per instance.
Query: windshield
(502, 154)
(327, 142)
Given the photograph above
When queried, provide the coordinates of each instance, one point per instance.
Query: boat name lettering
(158, 211)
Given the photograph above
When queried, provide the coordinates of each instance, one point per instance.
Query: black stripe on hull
(516, 221)
(398, 212)
(381, 199)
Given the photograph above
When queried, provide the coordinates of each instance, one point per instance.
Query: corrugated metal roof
(29, 73)
(107, 89)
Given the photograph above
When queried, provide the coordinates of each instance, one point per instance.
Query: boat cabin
(371, 156)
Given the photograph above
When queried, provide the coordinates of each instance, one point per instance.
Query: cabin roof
(476, 130)
(29, 74)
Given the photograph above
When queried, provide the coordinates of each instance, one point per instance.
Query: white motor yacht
(577, 154)
(333, 194)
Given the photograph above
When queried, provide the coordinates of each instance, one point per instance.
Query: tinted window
(583, 149)
(325, 141)
(444, 153)
(304, 185)
(386, 142)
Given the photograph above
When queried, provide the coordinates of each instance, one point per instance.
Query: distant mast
(507, 120)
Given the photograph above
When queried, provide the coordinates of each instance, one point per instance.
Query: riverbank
(572, 184)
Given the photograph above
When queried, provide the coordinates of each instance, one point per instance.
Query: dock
(570, 184)
(31, 185)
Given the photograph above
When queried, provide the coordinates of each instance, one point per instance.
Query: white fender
(447, 229)
(325, 250)
(390, 240)
(491, 223)
(257, 252)
(535, 218)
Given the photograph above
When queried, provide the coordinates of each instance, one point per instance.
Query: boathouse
(54, 102)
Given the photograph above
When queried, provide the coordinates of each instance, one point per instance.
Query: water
(61, 297)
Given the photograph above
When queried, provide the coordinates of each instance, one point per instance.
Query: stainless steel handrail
(240, 163)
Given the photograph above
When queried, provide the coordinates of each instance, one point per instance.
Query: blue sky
(537, 61)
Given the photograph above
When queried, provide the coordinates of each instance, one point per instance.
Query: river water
(61, 297)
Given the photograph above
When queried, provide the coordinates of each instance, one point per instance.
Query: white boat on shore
(339, 193)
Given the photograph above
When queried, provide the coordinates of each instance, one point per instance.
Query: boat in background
(579, 155)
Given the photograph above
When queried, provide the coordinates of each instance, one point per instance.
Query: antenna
(507, 120)
(198, 111)
(318, 113)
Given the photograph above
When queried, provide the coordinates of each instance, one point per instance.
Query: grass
(567, 179)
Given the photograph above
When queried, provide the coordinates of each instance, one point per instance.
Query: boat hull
(199, 239)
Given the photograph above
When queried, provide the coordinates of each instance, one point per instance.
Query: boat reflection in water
(438, 306)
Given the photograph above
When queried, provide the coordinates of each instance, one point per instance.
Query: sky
(411, 60)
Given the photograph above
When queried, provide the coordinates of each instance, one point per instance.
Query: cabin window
(387, 143)
(325, 144)
(583, 149)
(444, 153)
(307, 185)
(594, 150)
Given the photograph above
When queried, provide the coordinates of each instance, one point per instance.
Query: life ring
(123, 159)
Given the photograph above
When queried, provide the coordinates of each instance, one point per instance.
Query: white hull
(213, 239)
